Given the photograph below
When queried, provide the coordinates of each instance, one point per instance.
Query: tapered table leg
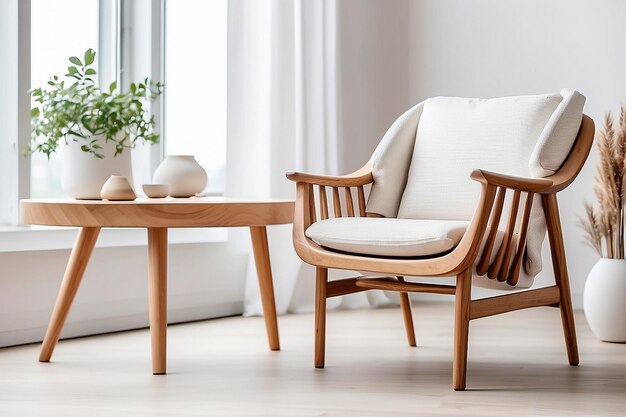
(85, 242)
(157, 268)
(264, 273)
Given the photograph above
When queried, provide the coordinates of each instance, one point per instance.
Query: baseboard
(120, 323)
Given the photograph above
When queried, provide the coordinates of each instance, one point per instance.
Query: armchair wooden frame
(459, 262)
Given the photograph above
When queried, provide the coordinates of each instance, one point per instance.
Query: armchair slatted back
(351, 208)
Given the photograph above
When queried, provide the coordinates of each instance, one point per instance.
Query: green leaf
(90, 56)
(34, 112)
(90, 71)
(72, 70)
(84, 148)
(113, 86)
(133, 88)
(75, 60)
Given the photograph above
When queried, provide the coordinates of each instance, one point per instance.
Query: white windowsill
(36, 238)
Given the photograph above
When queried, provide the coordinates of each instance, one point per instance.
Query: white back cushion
(456, 136)
(390, 163)
(526, 136)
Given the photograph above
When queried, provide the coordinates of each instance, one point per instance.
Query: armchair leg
(321, 281)
(405, 305)
(462, 299)
(557, 248)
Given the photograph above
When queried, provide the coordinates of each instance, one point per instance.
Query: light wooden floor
(517, 367)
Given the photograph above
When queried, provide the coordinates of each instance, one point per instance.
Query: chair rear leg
(405, 305)
(321, 281)
(462, 299)
(557, 249)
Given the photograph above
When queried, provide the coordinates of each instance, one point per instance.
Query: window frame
(117, 62)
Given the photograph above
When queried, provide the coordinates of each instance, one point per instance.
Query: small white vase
(605, 300)
(183, 174)
(83, 175)
(117, 188)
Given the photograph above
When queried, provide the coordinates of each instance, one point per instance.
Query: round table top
(158, 212)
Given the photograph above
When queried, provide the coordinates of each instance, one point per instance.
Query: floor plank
(517, 367)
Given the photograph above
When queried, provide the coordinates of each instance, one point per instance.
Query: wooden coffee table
(156, 215)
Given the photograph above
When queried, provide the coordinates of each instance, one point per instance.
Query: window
(182, 43)
(195, 84)
(59, 29)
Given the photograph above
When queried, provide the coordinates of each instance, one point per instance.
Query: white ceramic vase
(117, 188)
(182, 173)
(83, 175)
(605, 300)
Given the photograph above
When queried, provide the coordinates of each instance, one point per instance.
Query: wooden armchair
(494, 245)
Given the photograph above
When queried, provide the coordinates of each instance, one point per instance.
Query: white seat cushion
(409, 238)
(388, 237)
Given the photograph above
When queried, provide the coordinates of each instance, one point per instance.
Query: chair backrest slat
(323, 202)
(513, 275)
(349, 202)
(502, 258)
(361, 197)
(496, 214)
(312, 204)
(336, 202)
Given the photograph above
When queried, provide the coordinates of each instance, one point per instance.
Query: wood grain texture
(344, 286)
(156, 216)
(516, 266)
(533, 185)
(336, 202)
(321, 279)
(362, 176)
(392, 284)
(81, 253)
(461, 329)
(167, 212)
(500, 266)
(494, 222)
(460, 260)
(361, 199)
(407, 315)
(323, 202)
(266, 286)
(559, 265)
(349, 201)
(499, 304)
(157, 296)
(515, 369)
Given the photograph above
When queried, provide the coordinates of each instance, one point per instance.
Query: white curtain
(283, 114)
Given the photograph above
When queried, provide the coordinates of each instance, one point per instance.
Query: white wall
(482, 48)
(374, 74)
(205, 280)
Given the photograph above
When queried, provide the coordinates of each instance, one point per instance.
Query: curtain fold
(284, 115)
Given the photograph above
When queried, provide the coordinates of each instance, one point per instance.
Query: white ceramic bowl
(156, 190)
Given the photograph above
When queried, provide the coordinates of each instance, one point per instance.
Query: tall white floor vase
(605, 300)
(83, 175)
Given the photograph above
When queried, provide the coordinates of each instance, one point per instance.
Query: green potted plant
(605, 288)
(96, 127)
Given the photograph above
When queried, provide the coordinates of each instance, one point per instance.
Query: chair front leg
(462, 300)
(321, 282)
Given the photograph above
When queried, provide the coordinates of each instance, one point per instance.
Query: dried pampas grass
(604, 229)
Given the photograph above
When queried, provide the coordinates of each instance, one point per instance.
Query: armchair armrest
(531, 185)
(358, 178)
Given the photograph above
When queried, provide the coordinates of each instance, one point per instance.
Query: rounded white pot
(183, 174)
(605, 300)
(83, 175)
